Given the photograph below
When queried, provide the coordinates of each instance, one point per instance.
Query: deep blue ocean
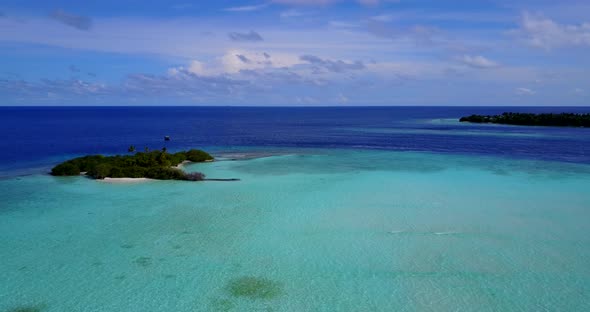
(34, 138)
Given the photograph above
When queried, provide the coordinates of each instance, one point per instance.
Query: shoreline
(186, 162)
(139, 180)
(124, 180)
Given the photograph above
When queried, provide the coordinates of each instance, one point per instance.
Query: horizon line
(286, 106)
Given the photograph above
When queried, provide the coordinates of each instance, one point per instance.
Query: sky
(295, 52)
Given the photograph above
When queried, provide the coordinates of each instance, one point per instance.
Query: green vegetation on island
(525, 119)
(158, 165)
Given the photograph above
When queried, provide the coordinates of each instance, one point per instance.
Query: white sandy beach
(179, 166)
(125, 180)
(182, 164)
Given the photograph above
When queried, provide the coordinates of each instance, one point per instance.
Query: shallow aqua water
(316, 230)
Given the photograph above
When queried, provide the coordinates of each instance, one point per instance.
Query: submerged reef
(143, 261)
(27, 308)
(254, 288)
(159, 165)
(525, 119)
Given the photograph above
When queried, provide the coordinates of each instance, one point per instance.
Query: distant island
(159, 165)
(525, 119)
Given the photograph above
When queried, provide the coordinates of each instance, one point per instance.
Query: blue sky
(295, 52)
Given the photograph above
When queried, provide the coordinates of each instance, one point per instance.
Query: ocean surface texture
(337, 209)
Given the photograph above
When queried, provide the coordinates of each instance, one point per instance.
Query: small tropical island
(526, 119)
(158, 165)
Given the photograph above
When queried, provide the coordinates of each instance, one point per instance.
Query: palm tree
(131, 149)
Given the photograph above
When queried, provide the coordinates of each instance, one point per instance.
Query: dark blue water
(39, 137)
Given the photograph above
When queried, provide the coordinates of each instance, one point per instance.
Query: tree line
(154, 165)
(527, 119)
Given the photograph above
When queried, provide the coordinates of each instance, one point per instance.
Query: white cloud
(339, 24)
(232, 63)
(247, 8)
(524, 91)
(197, 68)
(342, 99)
(336, 66)
(545, 33)
(477, 61)
(235, 60)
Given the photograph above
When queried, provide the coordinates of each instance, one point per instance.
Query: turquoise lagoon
(304, 230)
